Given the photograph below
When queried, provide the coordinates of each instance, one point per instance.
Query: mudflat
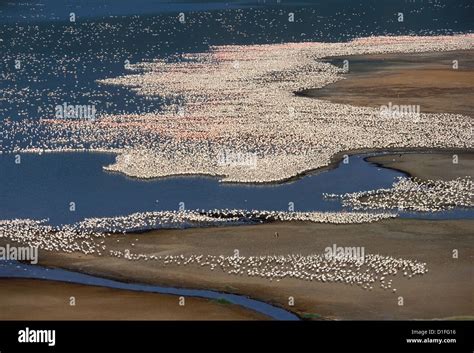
(31, 299)
(438, 165)
(445, 291)
(425, 79)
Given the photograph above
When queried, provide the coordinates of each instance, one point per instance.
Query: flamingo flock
(87, 236)
(413, 194)
(215, 106)
(371, 271)
(375, 270)
(240, 99)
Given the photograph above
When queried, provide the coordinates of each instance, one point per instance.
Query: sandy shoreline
(463, 168)
(449, 280)
(52, 302)
(425, 79)
(433, 165)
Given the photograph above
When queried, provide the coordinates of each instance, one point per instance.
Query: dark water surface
(42, 186)
(60, 61)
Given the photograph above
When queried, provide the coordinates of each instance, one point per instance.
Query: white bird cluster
(245, 109)
(141, 221)
(317, 217)
(413, 194)
(36, 233)
(85, 236)
(314, 267)
(88, 237)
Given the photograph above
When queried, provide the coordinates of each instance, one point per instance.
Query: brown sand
(429, 165)
(30, 299)
(445, 291)
(425, 79)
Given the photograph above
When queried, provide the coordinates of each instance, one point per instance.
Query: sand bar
(29, 299)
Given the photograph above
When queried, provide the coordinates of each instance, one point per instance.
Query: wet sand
(446, 291)
(425, 79)
(30, 299)
(429, 165)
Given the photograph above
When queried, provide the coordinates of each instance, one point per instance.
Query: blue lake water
(13, 269)
(61, 61)
(42, 186)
